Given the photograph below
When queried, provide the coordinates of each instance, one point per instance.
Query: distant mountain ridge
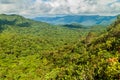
(82, 19)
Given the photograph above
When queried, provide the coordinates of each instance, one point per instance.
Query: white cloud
(32, 8)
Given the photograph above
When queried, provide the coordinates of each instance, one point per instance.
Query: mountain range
(87, 20)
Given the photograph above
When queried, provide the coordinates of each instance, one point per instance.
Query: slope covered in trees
(40, 51)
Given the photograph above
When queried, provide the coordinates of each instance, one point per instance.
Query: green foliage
(32, 50)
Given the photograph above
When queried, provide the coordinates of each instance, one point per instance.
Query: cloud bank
(33, 8)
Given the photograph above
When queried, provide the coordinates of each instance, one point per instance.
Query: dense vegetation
(32, 50)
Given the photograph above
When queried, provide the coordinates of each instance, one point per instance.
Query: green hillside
(31, 50)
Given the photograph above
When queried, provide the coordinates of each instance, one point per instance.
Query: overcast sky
(34, 8)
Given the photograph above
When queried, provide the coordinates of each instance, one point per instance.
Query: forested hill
(31, 50)
(13, 20)
(16, 20)
(109, 41)
(102, 53)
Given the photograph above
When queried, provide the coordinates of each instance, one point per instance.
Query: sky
(35, 8)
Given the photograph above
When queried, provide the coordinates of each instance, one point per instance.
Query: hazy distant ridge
(84, 20)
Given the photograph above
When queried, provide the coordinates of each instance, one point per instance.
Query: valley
(35, 50)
